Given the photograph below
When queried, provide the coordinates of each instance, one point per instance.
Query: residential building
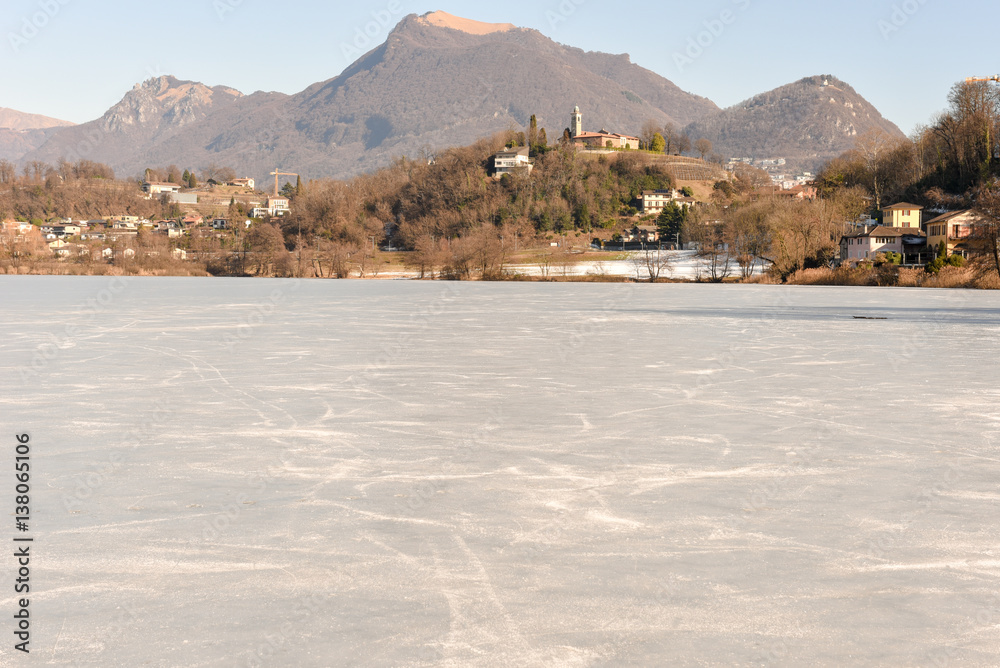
(903, 214)
(275, 207)
(652, 202)
(867, 243)
(155, 188)
(511, 160)
(242, 183)
(953, 228)
(66, 230)
(646, 233)
(799, 192)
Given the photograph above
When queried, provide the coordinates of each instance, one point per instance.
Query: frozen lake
(253, 472)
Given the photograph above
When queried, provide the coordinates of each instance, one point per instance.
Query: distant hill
(806, 123)
(438, 81)
(21, 133)
(18, 120)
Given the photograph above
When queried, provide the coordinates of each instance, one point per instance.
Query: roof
(517, 150)
(883, 231)
(602, 133)
(948, 216)
(902, 206)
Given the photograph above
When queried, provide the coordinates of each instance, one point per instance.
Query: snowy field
(678, 265)
(347, 473)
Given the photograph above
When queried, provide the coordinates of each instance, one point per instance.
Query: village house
(511, 160)
(275, 207)
(156, 188)
(801, 192)
(646, 233)
(652, 202)
(903, 214)
(62, 231)
(865, 244)
(953, 228)
(242, 183)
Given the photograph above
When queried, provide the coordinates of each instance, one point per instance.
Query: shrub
(956, 261)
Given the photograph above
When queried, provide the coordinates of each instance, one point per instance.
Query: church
(597, 140)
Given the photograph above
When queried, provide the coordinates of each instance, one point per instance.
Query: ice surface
(253, 472)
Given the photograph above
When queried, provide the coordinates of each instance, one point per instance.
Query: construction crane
(276, 174)
(969, 80)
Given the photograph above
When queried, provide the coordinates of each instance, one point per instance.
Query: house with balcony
(512, 160)
(954, 228)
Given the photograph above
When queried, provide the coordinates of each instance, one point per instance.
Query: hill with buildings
(806, 122)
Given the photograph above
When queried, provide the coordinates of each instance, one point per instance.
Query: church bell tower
(576, 123)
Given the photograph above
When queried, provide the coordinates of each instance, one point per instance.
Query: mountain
(807, 123)
(437, 81)
(21, 133)
(441, 81)
(18, 120)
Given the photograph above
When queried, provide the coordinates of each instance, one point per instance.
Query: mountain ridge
(436, 81)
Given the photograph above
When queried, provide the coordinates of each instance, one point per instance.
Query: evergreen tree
(670, 221)
(658, 144)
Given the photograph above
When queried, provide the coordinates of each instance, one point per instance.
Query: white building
(154, 188)
(276, 207)
(654, 201)
(507, 162)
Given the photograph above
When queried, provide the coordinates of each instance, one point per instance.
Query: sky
(74, 59)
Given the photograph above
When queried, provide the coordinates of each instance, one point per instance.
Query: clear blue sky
(902, 56)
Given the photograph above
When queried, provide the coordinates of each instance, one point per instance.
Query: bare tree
(988, 228)
(683, 143)
(670, 135)
(649, 128)
(703, 146)
(874, 148)
(651, 264)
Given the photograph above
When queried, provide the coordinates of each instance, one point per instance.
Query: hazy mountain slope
(18, 120)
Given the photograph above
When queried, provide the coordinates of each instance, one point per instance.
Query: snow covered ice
(384, 473)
